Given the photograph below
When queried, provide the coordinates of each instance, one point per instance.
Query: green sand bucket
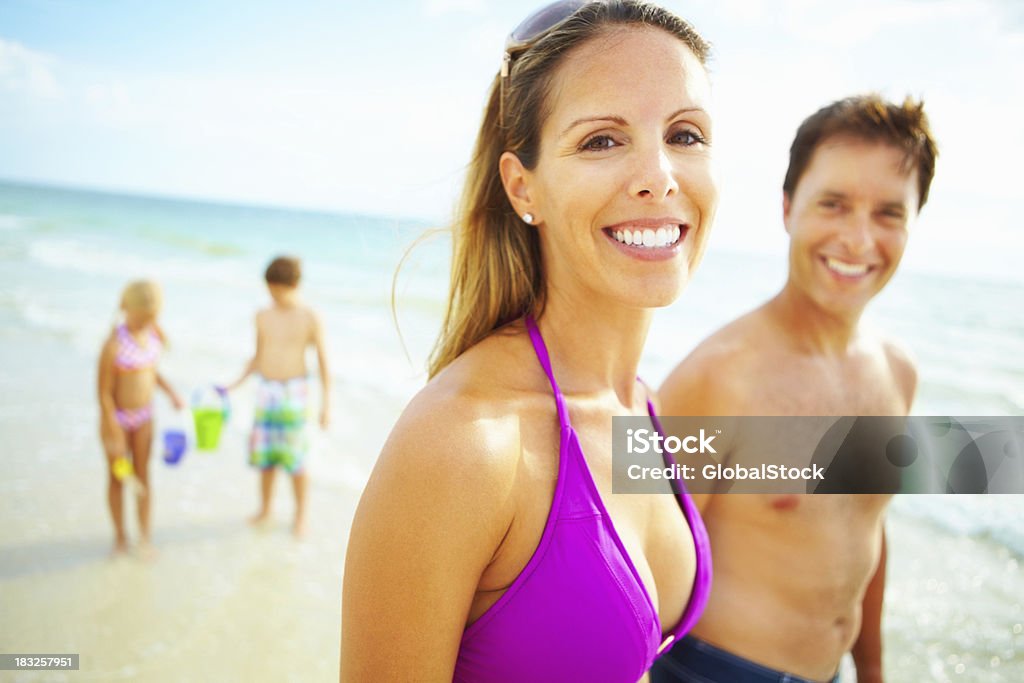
(210, 411)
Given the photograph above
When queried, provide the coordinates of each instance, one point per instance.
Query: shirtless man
(798, 580)
(284, 332)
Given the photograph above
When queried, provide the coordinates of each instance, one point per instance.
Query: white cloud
(26, 71)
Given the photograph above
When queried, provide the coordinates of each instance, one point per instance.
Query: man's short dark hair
(871, 119)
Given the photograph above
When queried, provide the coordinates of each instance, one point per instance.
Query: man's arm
(904, 372)
(867, 651)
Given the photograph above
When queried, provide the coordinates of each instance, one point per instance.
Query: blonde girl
(127, 379)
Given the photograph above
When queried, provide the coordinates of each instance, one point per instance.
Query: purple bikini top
(578, 611)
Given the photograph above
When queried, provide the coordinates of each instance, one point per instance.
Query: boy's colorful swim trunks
(279, 435)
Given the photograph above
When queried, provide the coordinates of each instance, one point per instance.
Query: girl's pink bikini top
(578, 611)
(131, 355)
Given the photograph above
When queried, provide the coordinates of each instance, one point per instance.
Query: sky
(372, 108)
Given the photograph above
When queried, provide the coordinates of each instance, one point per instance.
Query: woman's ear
(517, 181)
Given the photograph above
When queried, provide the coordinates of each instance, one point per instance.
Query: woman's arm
(432, 517)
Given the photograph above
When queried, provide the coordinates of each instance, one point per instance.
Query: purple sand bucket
(175, 445)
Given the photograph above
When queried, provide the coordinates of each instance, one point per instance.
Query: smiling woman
(488, 545)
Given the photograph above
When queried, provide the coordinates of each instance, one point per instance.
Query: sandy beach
(222, 601)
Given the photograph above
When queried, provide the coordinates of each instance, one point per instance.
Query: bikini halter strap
(545, 363)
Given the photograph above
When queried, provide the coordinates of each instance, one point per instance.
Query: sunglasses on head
(532, 29)
(535, 26)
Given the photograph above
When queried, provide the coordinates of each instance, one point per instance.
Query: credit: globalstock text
(725, 472)
(642, 441)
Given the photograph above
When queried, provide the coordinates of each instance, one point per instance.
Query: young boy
(284, 331)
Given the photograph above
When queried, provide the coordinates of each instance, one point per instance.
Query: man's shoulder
(736, 345)
(902, 366)
(897, 354)
(712, 379)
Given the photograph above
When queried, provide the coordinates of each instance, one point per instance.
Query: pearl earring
(528, 218)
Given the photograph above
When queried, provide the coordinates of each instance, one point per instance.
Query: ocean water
(956, 590)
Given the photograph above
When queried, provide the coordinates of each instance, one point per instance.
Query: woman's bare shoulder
(463, 429)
